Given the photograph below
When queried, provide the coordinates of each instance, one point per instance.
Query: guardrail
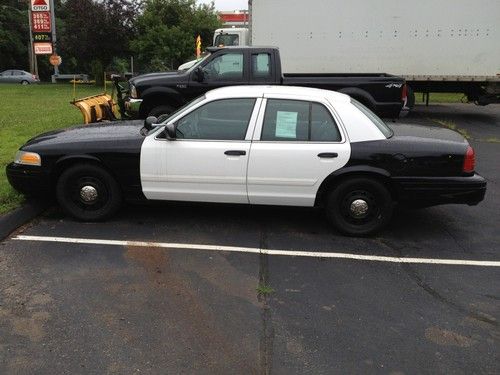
(69, 77)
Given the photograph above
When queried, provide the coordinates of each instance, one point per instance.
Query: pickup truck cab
(158, 94)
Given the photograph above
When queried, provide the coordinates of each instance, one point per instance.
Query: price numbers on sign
(40, 21)
(42, 37)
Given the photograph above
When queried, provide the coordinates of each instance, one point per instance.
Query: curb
(20, 216)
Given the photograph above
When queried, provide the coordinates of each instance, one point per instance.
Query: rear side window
(323, 127)
(225, 119)
(261, 65)
(297, 120)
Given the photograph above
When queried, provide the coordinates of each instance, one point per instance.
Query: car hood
(429, 132)
(92, 133)
(158, 78)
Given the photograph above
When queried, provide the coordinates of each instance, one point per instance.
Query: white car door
(296, 145)
(208, 160)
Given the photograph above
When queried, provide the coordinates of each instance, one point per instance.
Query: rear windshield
(227, 40)
(386, 131)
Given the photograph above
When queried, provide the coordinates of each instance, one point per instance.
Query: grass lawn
(26, 111)
(440, 97)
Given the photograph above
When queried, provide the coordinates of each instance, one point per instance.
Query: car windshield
(198, 62)
(382, 126)
(186, 106)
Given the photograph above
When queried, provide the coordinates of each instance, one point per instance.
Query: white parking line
(256, 250)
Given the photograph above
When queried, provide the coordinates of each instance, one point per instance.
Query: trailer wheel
(410, 97)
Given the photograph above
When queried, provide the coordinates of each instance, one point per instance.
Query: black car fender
(66, 161)
(341, 174)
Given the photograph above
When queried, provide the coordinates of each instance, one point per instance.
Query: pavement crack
(413, 274)
(266, 342)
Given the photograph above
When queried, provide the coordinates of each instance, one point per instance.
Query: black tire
(161, 112)
(70, 195)
(370, 218)
(24, 82)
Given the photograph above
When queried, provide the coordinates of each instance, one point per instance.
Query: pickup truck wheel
(88, 192)
(161, 112)
(359, 206)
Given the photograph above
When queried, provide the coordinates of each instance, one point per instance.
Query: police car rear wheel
(359, 206)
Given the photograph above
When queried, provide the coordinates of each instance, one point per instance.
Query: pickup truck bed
(158, 94)
(368, 88)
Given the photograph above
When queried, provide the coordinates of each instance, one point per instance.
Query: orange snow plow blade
(96, 108)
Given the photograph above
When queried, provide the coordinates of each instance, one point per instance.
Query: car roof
(261, 90)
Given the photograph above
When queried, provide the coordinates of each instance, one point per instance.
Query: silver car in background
(18, 76)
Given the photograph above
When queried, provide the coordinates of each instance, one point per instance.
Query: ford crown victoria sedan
(264, 145)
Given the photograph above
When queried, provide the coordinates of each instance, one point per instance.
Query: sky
(228, 4)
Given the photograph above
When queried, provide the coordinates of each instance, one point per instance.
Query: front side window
(225, 67)
(225, 119)
(297, 120)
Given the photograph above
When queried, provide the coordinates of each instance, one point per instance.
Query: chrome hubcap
(358, 208)
(88, 193)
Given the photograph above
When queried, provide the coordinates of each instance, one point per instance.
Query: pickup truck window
(261, 65)
(296, 120)
(226, 67)
(225, 119)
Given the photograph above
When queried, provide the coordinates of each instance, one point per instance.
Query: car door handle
(329, 155)
(235, 152)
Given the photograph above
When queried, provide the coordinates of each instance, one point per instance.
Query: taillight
(34, 77)
(404, 95)
(469, 160)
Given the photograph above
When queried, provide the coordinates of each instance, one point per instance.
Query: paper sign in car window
(286, 124)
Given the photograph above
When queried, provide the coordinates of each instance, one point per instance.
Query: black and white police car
(267, 145)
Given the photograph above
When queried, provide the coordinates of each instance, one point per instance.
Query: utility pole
(33, 61)
(54, 39)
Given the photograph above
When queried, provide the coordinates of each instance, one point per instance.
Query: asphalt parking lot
(183, 288)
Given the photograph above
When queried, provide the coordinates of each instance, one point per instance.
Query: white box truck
(437, 46)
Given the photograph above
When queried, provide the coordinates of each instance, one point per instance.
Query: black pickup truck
(157, 94)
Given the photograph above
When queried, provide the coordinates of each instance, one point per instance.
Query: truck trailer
(437, 46)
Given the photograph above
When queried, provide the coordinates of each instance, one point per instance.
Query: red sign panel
(40, 21)
(43, 48)
(38, 5)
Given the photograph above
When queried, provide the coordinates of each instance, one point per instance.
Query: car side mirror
(150, 122)
(170, 132)
(199, 76)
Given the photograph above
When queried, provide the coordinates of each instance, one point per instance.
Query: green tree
(14, 38)
(95, 32)
(167, 29)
